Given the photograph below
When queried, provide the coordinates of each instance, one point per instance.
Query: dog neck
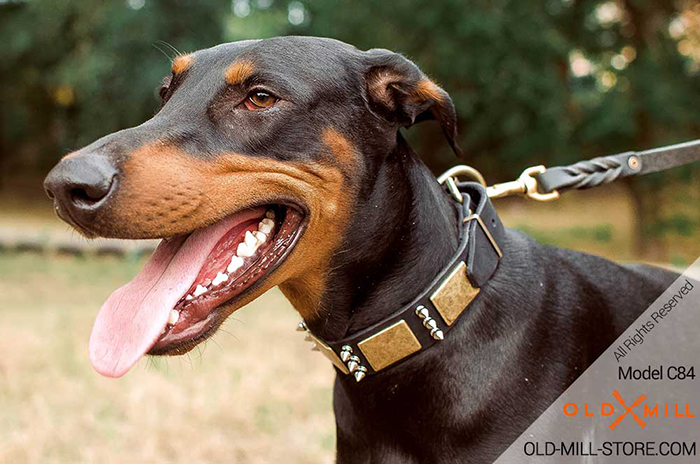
(403, 233)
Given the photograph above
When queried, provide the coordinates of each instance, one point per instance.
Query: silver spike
(315, 348)
(360, 373)
(429, 323)
(345, 353)
(354, 363)
(437, 334)
(422, 312)
(301, 327)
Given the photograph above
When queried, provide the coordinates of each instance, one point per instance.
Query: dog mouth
(184, 291)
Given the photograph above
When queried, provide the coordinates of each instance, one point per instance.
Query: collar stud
(345, 353)
(360, 373)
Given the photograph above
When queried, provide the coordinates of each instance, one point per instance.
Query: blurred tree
(71, 72)
(534, 81)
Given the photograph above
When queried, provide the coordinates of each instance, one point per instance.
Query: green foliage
(534, 82)
(506, 64)
(73, 71)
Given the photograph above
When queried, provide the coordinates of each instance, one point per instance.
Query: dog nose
(80, 185)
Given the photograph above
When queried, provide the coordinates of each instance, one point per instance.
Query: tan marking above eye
(239, 71)
(182, 63)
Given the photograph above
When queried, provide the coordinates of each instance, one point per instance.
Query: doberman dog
(281, 162)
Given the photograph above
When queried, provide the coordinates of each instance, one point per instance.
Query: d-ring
(462, 169)
(449, 178)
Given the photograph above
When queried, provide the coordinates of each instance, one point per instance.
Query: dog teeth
(248, 247)
(266, 227)
(236, 263)
(244, 250)
(174, 316)
(219, 279)
(260, 236)
(250, 239)
(251, 242)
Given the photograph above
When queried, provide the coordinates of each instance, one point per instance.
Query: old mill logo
(637, 411)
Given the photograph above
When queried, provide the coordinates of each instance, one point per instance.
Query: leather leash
(606, 169)
(545, 184)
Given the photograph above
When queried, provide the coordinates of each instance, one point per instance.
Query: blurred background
(534, 81)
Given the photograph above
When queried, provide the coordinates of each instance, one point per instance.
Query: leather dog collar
(427, 320)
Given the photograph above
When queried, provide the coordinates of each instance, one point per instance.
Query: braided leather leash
(544, 184)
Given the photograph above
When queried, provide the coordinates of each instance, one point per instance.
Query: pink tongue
(133, 317)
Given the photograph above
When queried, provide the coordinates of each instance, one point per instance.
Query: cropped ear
(398, 91)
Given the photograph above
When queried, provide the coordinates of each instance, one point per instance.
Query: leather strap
(605, 169)
(409, 330)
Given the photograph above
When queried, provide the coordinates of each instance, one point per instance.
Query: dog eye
(258, 100)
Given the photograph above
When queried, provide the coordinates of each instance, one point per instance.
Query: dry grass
(603, 221)
(255, 394)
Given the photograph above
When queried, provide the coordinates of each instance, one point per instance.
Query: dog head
(249, 172)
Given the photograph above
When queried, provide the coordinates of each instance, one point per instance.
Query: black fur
(544, 317)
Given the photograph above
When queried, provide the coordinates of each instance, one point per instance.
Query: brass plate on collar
(454, 295)
(389, 345)
(328, 352)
